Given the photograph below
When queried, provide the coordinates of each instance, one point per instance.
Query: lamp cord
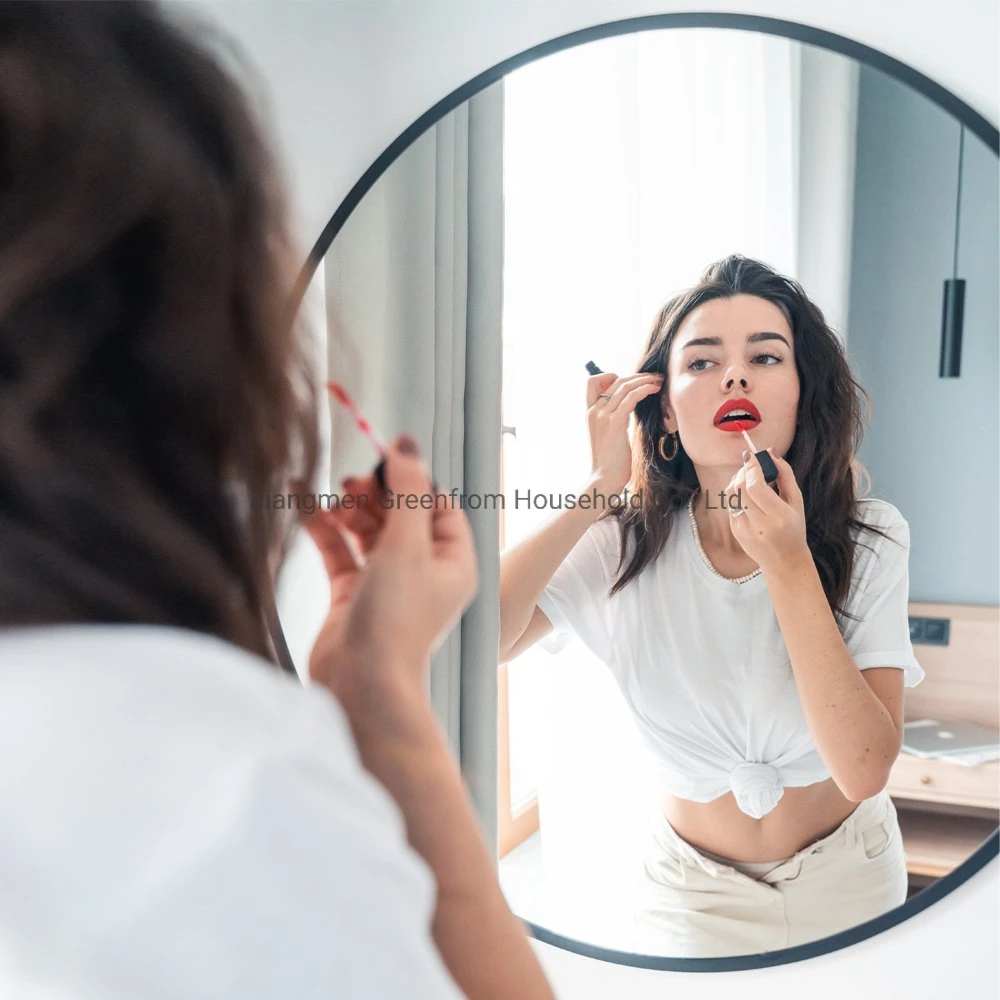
(958, 199)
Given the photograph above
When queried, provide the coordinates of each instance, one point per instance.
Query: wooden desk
(947, 810)
(936, 844)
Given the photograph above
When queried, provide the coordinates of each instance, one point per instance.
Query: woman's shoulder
(605, 535)
(219, 757)
(605, 538)
(883, 516)
(882, 547)
(161, 690)
(162, 671)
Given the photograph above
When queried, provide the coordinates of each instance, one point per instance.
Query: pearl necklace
(705, 559)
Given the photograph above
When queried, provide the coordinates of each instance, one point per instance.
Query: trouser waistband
(846, 835)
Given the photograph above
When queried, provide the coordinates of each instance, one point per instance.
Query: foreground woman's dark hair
(152, 382)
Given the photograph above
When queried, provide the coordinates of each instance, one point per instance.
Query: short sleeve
(238, 849)
(576, 599)
(310, 885)
(880, 635)
(329, 844)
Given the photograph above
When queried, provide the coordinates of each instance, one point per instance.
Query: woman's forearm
(526, 568)
(853, 731)
(482, 943)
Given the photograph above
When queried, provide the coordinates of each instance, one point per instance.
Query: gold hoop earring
(676, 443)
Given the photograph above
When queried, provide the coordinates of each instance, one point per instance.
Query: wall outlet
(930, 631)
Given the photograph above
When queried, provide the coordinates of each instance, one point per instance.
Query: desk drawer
(941, 781)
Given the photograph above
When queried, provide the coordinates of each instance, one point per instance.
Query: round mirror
(729, 760)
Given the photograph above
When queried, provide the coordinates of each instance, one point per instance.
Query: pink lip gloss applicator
(340, 394)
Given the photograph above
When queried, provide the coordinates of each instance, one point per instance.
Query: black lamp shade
(951, 328)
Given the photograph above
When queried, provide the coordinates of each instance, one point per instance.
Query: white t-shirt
(180, 819)
(702, 663)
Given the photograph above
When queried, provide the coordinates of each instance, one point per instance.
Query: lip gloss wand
(340, 394)
(364, 425)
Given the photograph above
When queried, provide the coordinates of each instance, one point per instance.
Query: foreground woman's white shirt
(178, 819)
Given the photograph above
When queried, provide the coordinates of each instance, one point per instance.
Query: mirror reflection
(748, 560)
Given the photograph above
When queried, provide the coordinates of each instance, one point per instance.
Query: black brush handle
(767, 465)
(593, 369)
(380, 478)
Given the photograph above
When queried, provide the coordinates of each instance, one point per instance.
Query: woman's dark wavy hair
(829, 428)
(152, 379)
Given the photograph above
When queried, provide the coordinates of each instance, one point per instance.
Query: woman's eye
(699, 364)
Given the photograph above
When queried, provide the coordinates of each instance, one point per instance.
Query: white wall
(348, 77)
(908, 161)
(369, 68)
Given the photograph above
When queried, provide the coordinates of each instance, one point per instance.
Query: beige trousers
(689, 905)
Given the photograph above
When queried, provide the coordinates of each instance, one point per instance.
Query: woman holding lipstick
(761, 644)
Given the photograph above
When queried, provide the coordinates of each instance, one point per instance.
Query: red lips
(737, 425)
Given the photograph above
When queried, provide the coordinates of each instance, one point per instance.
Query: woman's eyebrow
(767, 335)
(752, 338)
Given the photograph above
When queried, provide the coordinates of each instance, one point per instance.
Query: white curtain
(413, 293)
(828, 127)
(630, 164)
(302, 594)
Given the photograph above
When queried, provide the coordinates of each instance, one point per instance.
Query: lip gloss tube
(766, 462)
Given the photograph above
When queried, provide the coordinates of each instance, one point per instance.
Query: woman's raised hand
(392, 607)
(610, 402)
(770, 527)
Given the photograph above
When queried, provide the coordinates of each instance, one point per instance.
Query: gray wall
(933, 444)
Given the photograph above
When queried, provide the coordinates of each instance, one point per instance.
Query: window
(629, 165)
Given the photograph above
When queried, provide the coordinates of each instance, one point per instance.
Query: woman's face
(729, 350)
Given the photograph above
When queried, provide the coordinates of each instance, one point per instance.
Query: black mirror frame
(945, 99)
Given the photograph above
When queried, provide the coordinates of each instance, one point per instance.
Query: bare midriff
(801, 817)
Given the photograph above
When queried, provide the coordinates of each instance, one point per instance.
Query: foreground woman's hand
(400, 578)
(772, 528)
(389, 608)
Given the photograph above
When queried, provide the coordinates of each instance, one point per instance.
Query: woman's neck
(713, 519)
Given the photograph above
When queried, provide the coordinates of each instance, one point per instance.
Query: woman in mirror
(178, 817)
(759, 634)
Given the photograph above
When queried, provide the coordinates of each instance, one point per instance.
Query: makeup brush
(766, 462)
